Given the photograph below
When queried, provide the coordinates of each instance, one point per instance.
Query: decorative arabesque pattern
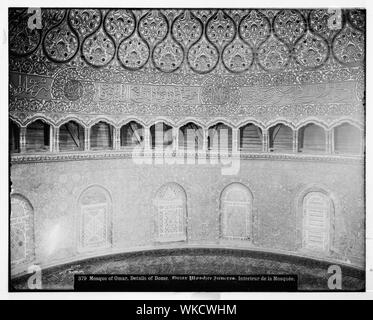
(236, 212)
(170, 215)
(172, 40)
(21, 231)
(94, 219)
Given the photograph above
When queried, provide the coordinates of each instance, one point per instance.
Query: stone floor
(312, 274)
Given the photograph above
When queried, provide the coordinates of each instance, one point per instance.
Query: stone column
(175, 137)
(87, 139)
(22, 139)
(330, 141)
(56, 139)
(147, 146)
(295, 141)
(235, 144)
(205, 139)
(116, 138)
(265, 140)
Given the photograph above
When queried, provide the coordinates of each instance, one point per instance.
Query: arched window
(347, 139)
(170, 213)
(71, 137)
(317, 208)
(101, 136)
(14, 135)
(22, 248)
(236, 212)
(94, 219)
(219, 137)
(251, 138)
(161, 135)
(281, 138)
(38, 136)
(191, 137)
(311, 138)
(131, 134)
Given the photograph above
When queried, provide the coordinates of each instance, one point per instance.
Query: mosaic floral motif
(52, 17)
(203, 56)
(237, 56)
(357, 18)
(73, 90)
(220, 29)
(85, 21)
(206, 38)
(153, 27)
(98, 49)
(120, 24)
(273, 55)
(168, 55)
(187, 29)
(133, 53)
(348, 46)
(289, 26)
(237, 14)
(22, 40)
(60, 43)
(255, 28)
(203, 15)
(311, 51)
(319, 23)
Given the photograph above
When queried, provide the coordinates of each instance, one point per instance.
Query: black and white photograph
(186, 149)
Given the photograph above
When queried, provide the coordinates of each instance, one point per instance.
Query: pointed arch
(71, 136)
(318, 211)
(281, 138)
(14, 137)
(170, 212)
(236, 216)
(101, 136)
(348, 139)
(94, 219)
(22, 244)
(312, 138)
(38, 136)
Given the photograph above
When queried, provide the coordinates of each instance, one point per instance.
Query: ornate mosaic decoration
(235, 64)
(196, 39)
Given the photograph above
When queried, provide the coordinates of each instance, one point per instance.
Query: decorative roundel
(85, 21)
(289, 26)
(73, 90)
(357, 18)
(22, 40)
(311, 51)
(120, 24)
(153, 27)
(203, 56)
(186, 29)
(60, 43)
(237, 56)
(273, 55)
(348, 46)
(220, 29)
(255, 28)
(319, 21)
(133, 53)
(98, 49)
(168, 55)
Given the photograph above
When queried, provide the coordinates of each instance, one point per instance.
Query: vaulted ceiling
(110, 61)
